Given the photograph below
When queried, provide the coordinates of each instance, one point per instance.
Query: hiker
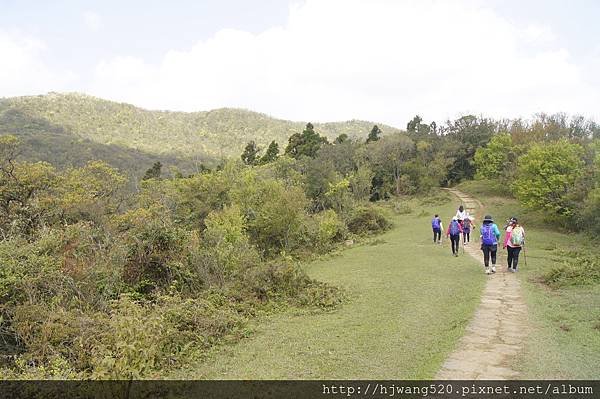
(461, 213)
(489, 242)
(514, 240)
(454, 231)
(467, 225)
(437, 227)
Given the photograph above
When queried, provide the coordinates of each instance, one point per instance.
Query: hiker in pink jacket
(514, 240)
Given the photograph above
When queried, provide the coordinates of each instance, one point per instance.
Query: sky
(311, 60)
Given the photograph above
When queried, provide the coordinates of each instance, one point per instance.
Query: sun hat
(488, 218)
(454, 218)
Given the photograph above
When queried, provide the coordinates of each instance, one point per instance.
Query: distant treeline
(551, 163)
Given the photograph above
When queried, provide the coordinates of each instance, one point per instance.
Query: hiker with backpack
(489, 242)
(514, 240)
(461, 214)
(454, 232)
(437, 227)
(467, 225)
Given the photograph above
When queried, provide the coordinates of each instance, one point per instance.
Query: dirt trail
(496, 334)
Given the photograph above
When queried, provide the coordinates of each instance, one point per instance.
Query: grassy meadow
(409, 302)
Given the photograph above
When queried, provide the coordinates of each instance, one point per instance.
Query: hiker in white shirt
(461, 214)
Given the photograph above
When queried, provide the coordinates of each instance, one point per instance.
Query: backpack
(516, 236)
(487, 234)
(454, 230)
(467, 224)
(435, 223)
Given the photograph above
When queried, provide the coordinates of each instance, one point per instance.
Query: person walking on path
(489, 242)
(467, 226)
(437, 227)
(454, 232)
(461, 214)
(514, 240)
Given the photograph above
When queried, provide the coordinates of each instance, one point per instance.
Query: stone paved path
(499, 326)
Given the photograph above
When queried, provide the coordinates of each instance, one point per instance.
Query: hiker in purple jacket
(489, 242)
(454, 231)
(436, 226)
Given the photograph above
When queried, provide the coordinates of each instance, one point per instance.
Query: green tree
(546, 174)
(271, 154)
(319, 174)
(342, 155)
(360, 183)
(388, 157)
(341, 139)
(416, 128)
(590, 213)
(250, 154)
(374, 134)
(305, 144)
(25, 191)
(462, 139)
(153, 172)
(273, 212)
(492, 161)
(89, 193)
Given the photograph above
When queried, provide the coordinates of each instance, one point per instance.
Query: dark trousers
(489, 250)
(466, 235)
(513, 256)
(437, 235)
(455, 241)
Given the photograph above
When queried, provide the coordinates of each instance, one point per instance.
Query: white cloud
(539, 34)
(381, 60)
(23, 70)
(92, 21)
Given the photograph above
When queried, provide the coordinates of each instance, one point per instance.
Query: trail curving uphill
(499, 327)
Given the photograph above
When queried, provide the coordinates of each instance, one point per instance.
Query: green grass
(565, 338)
(409, 303)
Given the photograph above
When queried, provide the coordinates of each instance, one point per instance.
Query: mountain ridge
(185, 137)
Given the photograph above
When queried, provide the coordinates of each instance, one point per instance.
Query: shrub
(367, 220)
(49, 332)
(30, 274)
(225, 240)
(273, 212)
(288, 282)
(331, 228)
(590, 214)
(154, 255)
(402, 208)
(577, 269)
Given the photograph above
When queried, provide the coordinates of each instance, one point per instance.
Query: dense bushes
(366, 220)
(98, 283)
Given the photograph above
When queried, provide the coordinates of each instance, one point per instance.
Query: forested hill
(74, 128)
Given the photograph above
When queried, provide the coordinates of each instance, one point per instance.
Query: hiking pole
(524, 254)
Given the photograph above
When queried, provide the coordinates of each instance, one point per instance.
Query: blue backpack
(487, 234)
(435, 223)
(454, 230)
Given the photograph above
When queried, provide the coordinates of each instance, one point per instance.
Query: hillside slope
(48, 122)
